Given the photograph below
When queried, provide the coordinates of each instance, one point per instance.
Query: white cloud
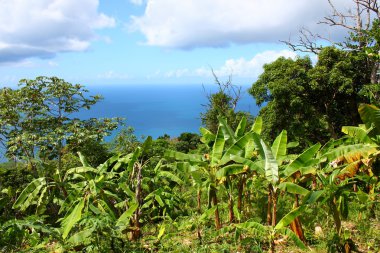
(113, 75)
(215, 23)
(178, 73)
(239, 68)
(137, 2)
(251, 68)
(42, 28)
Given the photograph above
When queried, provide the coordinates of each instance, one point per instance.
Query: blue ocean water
(156, 110)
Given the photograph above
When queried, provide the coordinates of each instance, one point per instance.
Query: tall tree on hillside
(311, 103)
(282, 88)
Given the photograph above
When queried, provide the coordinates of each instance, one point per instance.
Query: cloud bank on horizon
(189, 24)
(43, 28)
(241, 67)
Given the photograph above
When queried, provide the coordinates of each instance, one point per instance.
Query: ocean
(156, 110)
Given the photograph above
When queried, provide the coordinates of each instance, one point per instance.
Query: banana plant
(272, 232)
(207, 170)
(90, 192)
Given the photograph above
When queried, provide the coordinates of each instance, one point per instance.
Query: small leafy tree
(38, 119)
(223, 103)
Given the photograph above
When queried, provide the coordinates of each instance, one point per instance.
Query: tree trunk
(296, 225)
(269, 207)
(374, 77)
(274, 207)
(231, 208)
(199, 193)
(240, 193)
(336, 216)
(215, 203)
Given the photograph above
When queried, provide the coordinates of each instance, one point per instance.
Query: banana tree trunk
(240, 193)
(296, 225)
(215, 203)
(269, 207)
(274, 207)
(231, 208)
(199, 193)
(336, 216)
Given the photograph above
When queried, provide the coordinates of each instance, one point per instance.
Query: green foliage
(36, 119)
(223, 103)
(311, 102)
(164, 195)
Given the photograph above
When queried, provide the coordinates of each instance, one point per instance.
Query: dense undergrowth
(226, 192)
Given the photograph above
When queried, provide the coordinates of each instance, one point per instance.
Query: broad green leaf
(81, 170)
(208, 213)
(303, 160)
(124, 218)
(289, 233)
(252, 225)
(253, 166)
(293, 144)
(279, 145)
(207, 136)
(363, 150)
(106, 207)
(370, 114)
(257, 126)
(293, 188)
(229, 170)
(170, 176)
(218, 147)
(358, 133)
(271, 166)
(191, 158)
(41, 205)
(287, 219)
(29, 194)
(313, 197)
(228, 133)
(92, 187)
(82, 237)
(240, 130)
(124, 176)
(136, 154)
(146, 145)
(69, 221)
(237, 148)
(161, 232)
(159, 200)
(258, 145)
(83, 160)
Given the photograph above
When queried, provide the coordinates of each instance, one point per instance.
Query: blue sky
(150, 41)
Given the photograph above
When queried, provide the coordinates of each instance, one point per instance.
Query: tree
(37, 119)
(283, 87)
(223, 103)
(311, 103)
(187, 142)
(361, 21)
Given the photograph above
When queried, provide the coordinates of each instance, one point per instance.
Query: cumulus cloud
(240, 68)
(42, 28)
(215, 23)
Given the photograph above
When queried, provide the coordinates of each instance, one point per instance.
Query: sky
(124, 42)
